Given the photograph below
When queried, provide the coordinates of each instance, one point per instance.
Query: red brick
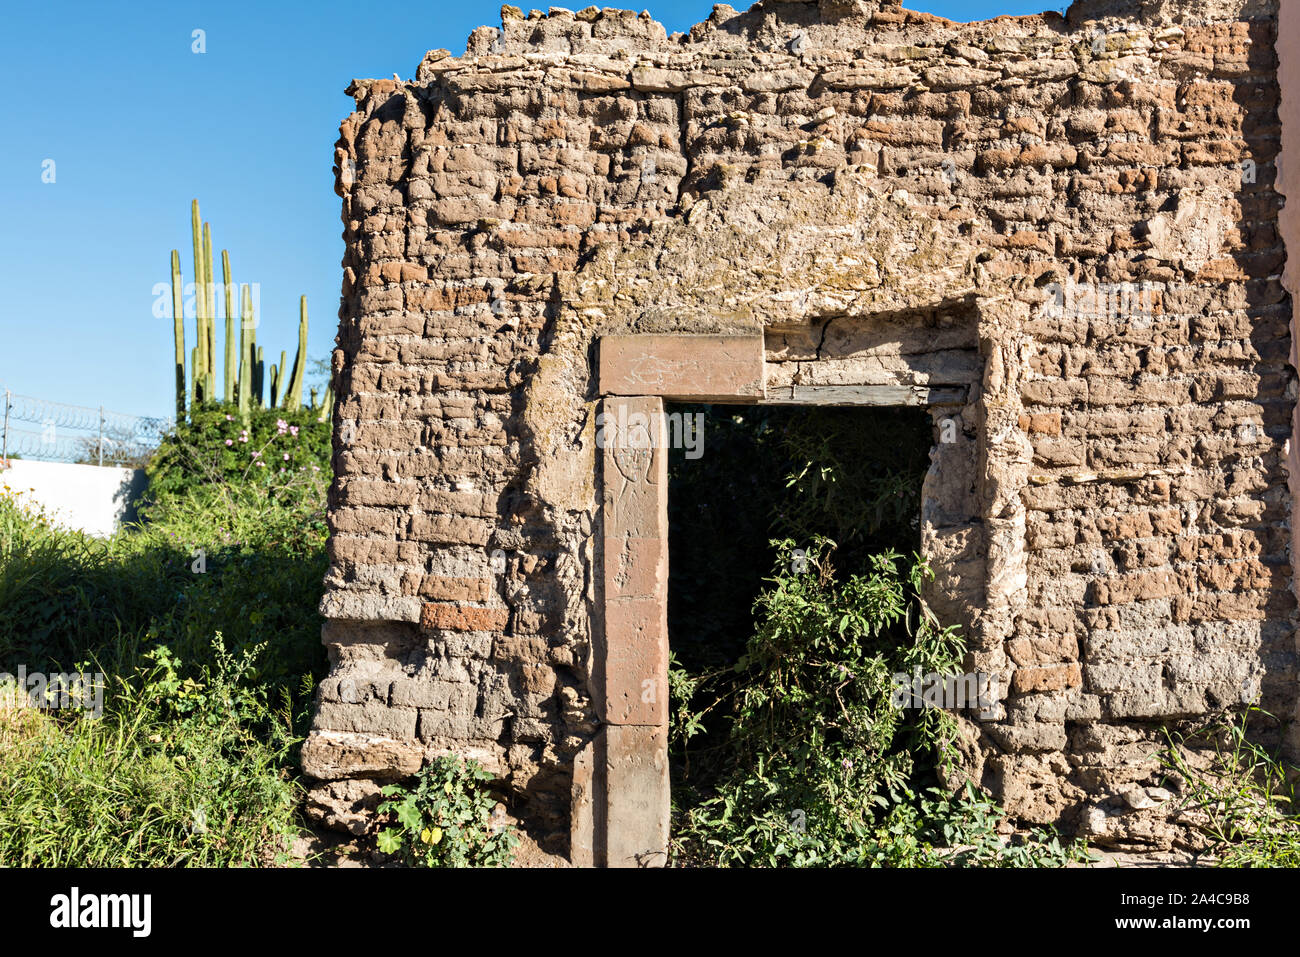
(455, 617)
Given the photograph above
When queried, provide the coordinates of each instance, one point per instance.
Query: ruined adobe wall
(821, 173)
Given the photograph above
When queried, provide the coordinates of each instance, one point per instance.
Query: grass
(171, 775)
(68, 596)
(209, 670)
(1236, 793)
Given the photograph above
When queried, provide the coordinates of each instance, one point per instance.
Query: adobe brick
(447, 616)
(442, 588)
(1048, 678)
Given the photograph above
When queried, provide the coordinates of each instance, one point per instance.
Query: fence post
(101, 435)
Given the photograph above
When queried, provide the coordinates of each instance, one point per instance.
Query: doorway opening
(793, 603)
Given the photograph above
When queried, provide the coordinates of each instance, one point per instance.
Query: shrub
(822, 767)
(445, 820)
(193, 761)
(794, 753)
(216, 447)
(814, 739)
(221, 557)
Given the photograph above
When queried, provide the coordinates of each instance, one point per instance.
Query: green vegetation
(203, 621)
(190, 771)
(1242, 800)
(69, 597)
(446, 819)
(803, 759)
(216, 449)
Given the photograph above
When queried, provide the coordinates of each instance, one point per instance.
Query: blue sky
(137, 125)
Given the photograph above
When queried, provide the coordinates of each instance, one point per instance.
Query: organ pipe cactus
(210, 318)
(244, 380)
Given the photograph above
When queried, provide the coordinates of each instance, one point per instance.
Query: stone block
(683, 368)
(636, 662)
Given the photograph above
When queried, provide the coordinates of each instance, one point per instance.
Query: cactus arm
(259, 378)
(245, 355)
(254, 355)
(229, 390)
(293, 397)
(198, 358)
(178, 333)
(210, 310)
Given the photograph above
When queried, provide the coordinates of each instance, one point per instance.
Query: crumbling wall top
(813, 31)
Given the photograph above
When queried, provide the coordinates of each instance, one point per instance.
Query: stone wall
(1072, 219)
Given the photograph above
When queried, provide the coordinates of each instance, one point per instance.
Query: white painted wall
(84, 497)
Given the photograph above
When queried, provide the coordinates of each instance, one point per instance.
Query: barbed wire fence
(76, 433)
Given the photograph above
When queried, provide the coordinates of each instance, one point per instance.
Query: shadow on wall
(127, 497)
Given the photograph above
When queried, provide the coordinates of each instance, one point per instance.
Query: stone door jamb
(620, 785)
